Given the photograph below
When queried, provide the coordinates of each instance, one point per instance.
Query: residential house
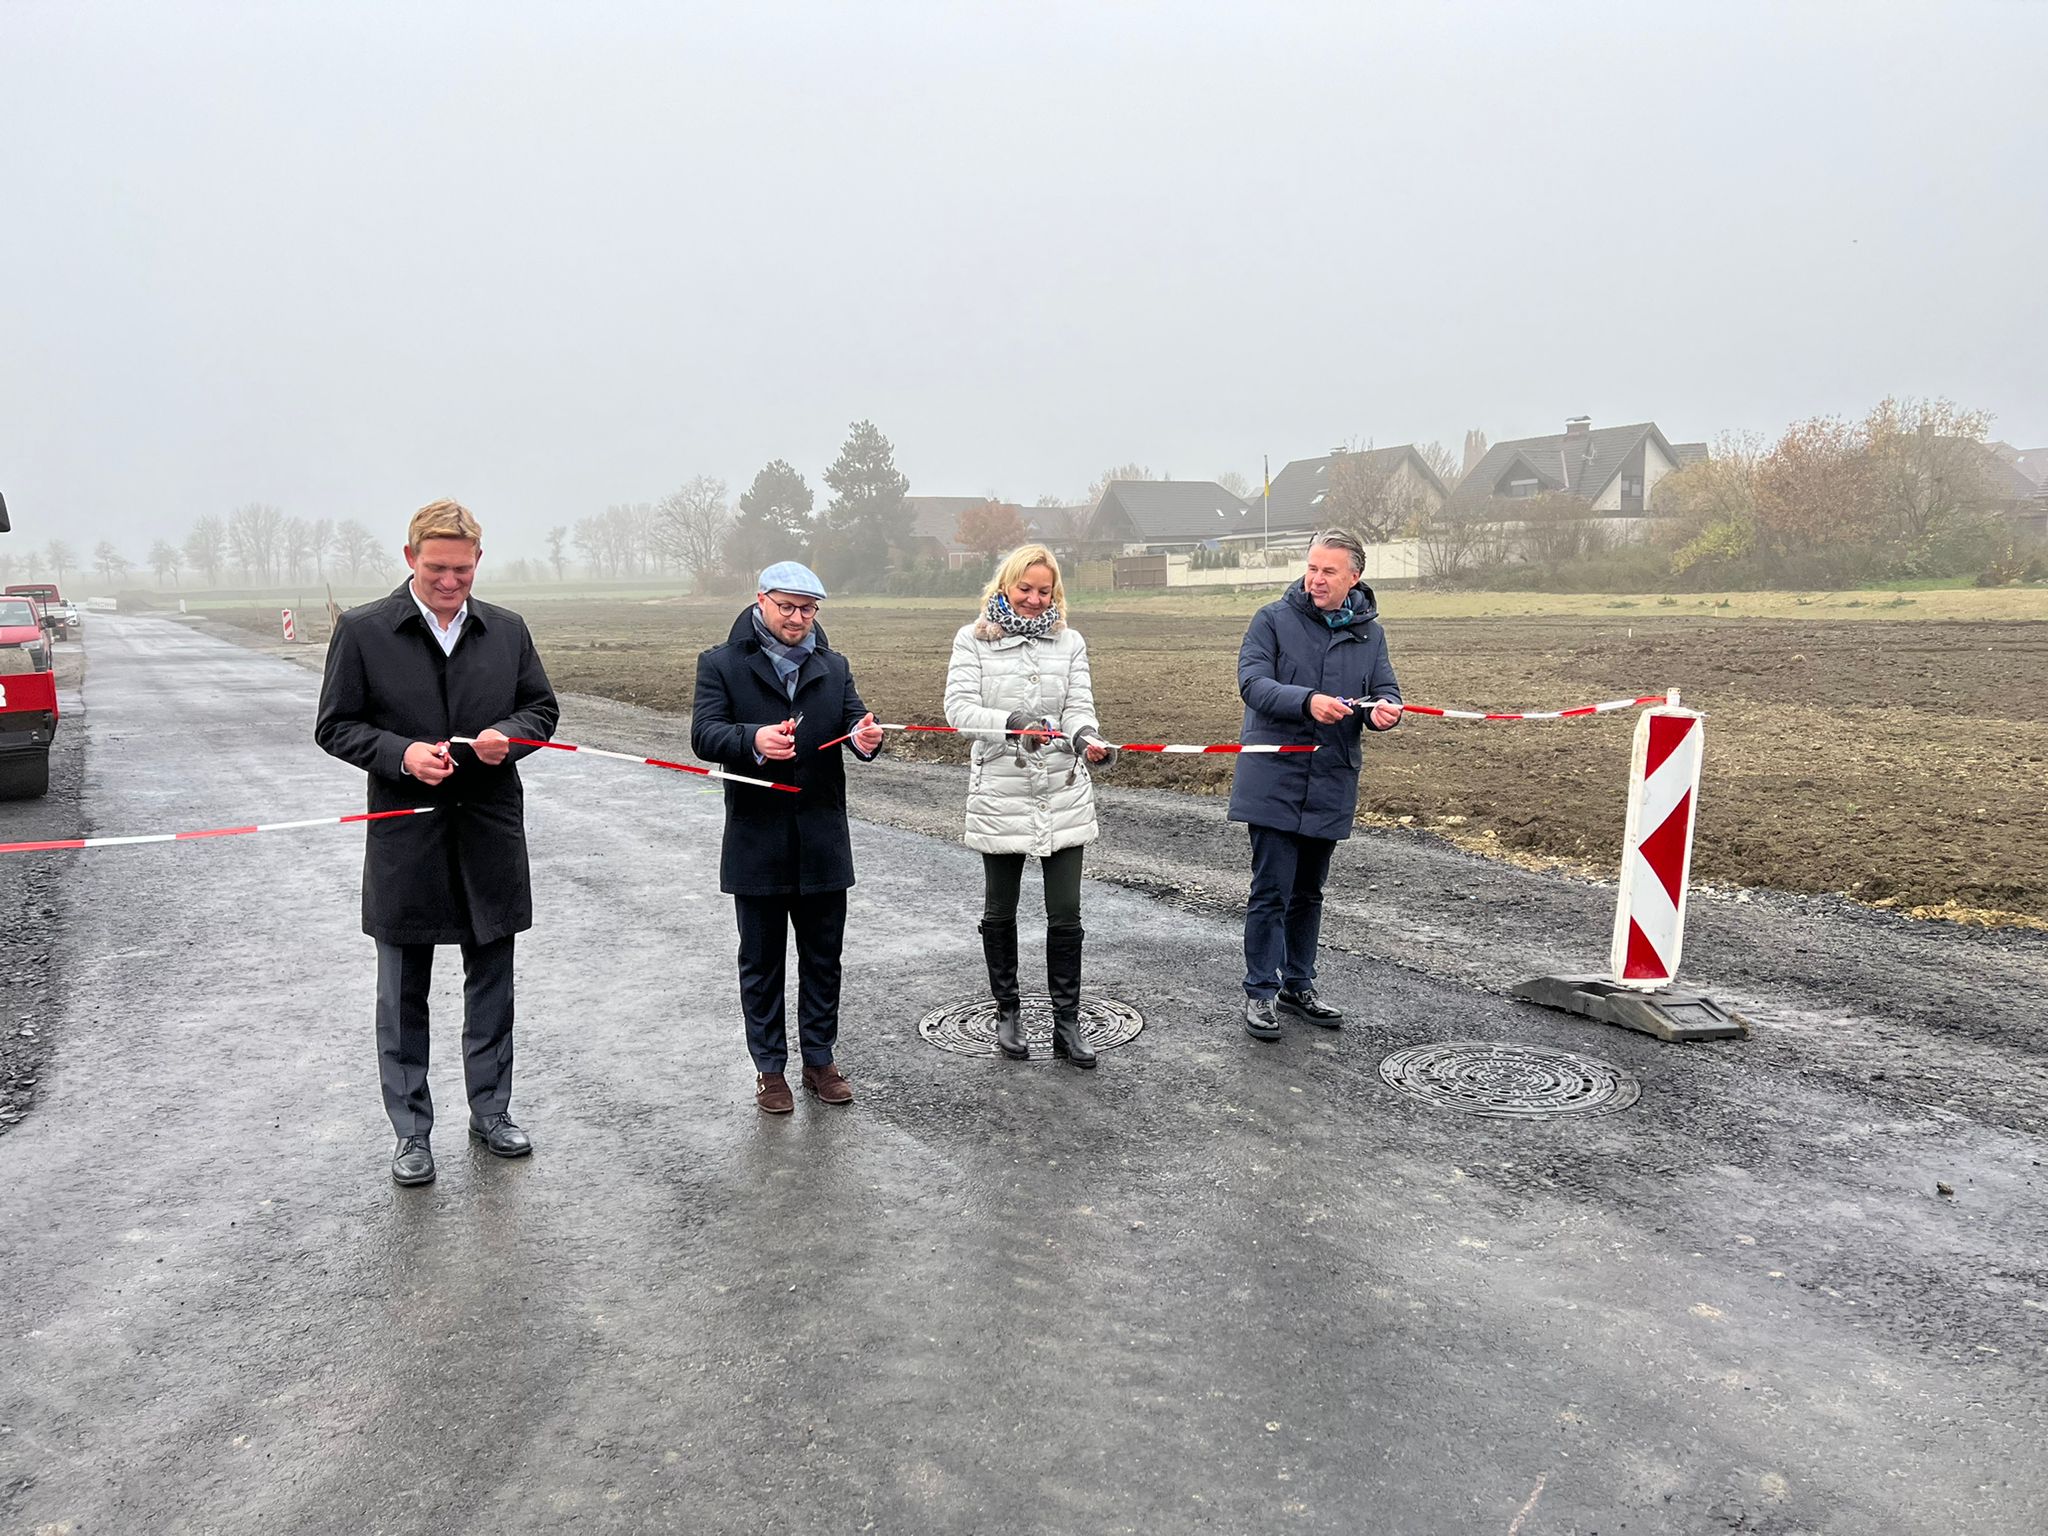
(1612, 469)
(2019, 487)
(935, 528)
(1301, 492)
(1159, 515)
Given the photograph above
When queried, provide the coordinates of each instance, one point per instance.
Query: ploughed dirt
(1903, 763)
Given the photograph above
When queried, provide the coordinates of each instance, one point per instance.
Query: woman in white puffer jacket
(1018, 687)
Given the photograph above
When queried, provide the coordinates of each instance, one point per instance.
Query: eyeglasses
(791, 610)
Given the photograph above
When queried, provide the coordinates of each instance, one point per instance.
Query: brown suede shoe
(827, 1086)
(771, 1093)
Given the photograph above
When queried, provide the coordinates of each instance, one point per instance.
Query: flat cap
(793, 577)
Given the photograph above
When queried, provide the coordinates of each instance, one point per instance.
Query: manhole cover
(969, 1029)
(1509, 1082)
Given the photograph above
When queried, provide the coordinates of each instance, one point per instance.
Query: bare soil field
(1900, 761)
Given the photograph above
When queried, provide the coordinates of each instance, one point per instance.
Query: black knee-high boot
(1063, 981)
(999, 949)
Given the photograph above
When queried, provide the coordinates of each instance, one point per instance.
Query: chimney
(1577, 426)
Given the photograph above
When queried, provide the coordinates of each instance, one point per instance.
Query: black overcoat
(778, 844)
(1288, 654)
(460, 874)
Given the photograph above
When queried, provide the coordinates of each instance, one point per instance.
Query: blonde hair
(1016, 563)
(443, 519)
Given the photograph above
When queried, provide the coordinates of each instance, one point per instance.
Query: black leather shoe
(501, 1137)
(1260, 1022)
(413, 1162)
(1306, 1005)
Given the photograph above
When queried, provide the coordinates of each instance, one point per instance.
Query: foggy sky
(348, 258)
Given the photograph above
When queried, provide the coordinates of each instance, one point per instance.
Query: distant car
(70, 620)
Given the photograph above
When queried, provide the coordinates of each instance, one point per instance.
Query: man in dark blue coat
(767, 701)
(1313, 671)
(405, 674)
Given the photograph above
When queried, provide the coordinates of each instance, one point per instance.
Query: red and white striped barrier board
(286, 618)
(191, 837)
(1534, 714)
(1656, 848)
(650, 762)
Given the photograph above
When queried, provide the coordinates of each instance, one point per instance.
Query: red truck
(28, 699)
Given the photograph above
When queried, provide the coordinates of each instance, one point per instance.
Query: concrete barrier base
(1668, 1013)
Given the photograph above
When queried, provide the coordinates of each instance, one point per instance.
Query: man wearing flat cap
(768, 700)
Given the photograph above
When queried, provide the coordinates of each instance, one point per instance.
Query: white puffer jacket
(1046, 803)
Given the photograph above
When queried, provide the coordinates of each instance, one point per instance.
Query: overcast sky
(350, 257)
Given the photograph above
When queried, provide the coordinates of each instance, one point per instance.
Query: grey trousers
(404, 972)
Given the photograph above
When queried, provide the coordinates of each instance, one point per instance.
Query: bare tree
(593, 545)
(1929, 464)
(109, 561)
(323, 546)
(164, 559)
(1442, 463)
(254, 533)
(356, 549)
(1237, 485)
(692, 525)
(555, 558)
(1454, 541)
(1131, 471)
(206, 547)
(1374, 495)
(60, 557)
(295, 542)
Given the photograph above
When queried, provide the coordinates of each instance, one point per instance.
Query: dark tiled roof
(1580, 464)
(1688, 453)
(1298, 489)
(1170, 511)
(2031, 462)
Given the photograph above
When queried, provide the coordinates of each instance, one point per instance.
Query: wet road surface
(1214, 1286)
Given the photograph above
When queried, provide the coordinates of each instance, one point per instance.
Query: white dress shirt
(445, 638)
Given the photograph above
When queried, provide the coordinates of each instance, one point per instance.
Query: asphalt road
(1214, 1286)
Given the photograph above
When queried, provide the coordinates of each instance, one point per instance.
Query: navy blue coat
(1288, 654)
(460, 875)
(778, 844)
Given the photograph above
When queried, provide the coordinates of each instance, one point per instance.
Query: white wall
(1399, 560)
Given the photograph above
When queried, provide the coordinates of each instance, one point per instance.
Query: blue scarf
(1357, 605)
(1350, 611)
(788, 659)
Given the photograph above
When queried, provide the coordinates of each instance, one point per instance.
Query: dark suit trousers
(404, 972)
(1283, 921)
(765, 924)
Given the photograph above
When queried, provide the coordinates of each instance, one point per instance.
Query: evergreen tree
(867, 515)
(774, 522)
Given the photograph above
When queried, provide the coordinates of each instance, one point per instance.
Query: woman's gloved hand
(1031, 734)
(1098, 750)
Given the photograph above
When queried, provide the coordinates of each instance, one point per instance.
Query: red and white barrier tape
(650, 762)
(190, 837)
(1134, 746)
(1533, 714)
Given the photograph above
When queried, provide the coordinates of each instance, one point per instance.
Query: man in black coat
(1313, 671)
(767, 701)
(404, 674)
